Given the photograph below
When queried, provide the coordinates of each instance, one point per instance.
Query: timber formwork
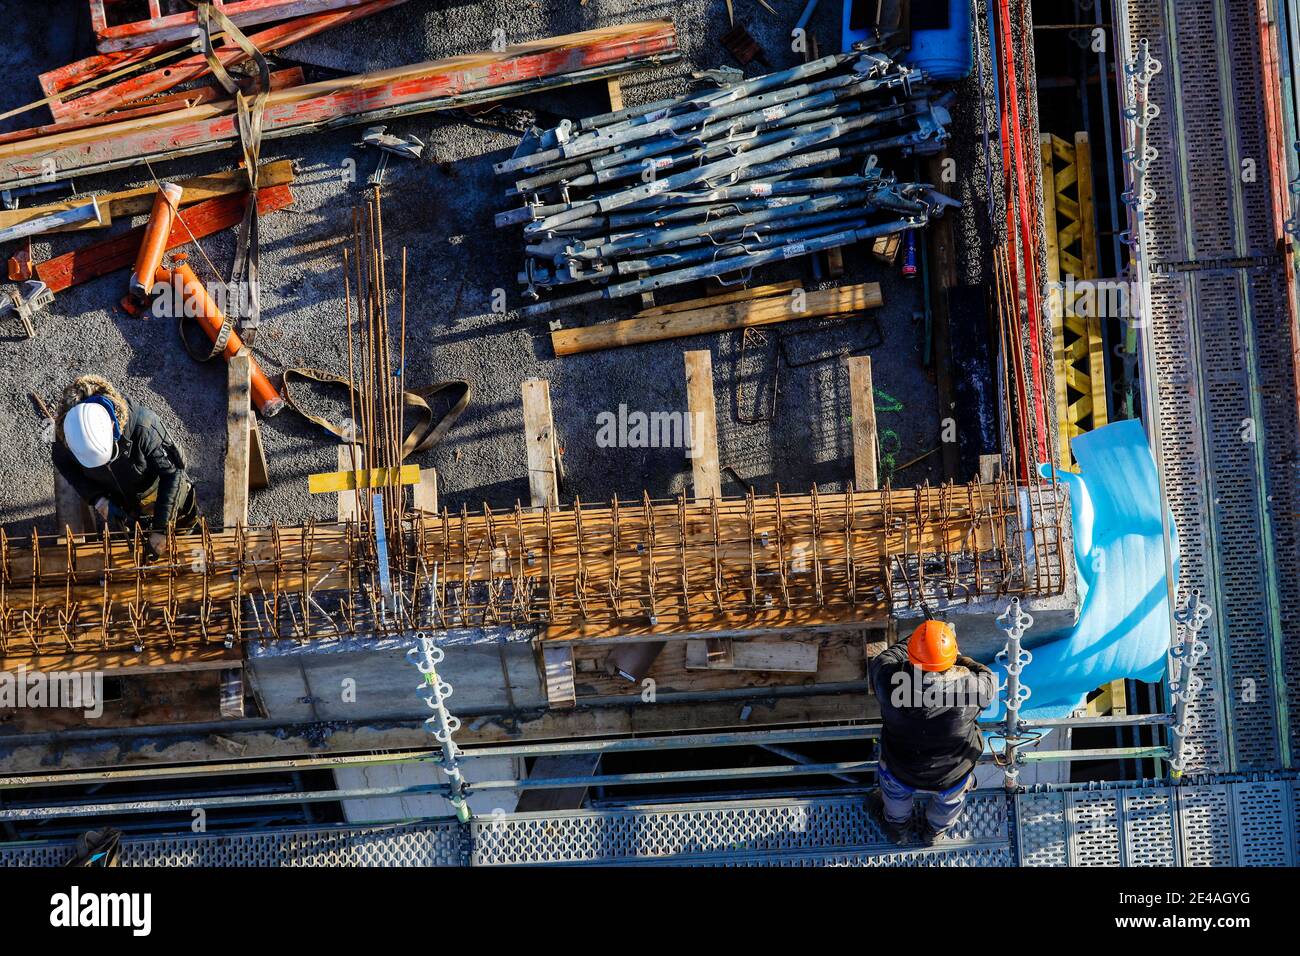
(616, 571)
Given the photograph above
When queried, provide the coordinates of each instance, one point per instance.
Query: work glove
(101, 506)
(155, 543)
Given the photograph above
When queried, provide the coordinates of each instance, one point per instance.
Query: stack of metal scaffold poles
(714, 183)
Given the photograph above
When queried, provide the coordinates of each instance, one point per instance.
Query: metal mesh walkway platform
(1220, 336)
(1239, 823)
(1215, 822)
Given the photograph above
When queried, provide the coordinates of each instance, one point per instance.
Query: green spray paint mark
(886, 402)
(890, 446)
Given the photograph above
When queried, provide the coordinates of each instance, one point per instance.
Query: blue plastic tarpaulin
(1122, 630)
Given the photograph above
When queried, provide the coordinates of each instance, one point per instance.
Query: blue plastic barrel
(941, 35)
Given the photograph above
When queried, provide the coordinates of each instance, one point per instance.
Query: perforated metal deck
(1231, 823)
(1214, 822)
(1220, 332)
(824, 832)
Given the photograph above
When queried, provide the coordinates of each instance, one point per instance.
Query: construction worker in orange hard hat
(930, 698)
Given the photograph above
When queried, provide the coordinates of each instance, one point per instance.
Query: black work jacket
(147, 464)
(930, 739)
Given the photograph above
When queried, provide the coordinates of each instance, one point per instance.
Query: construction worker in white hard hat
(123, 463)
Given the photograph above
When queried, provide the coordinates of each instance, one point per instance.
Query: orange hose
(148, 260)
(195, 298)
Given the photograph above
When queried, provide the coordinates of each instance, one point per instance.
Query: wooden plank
(706, 474)
(16, 217)
(164, 104)
(557, 661)
(175, 27)
(139, 202)
(790, 657)
(848, 300)
(990, 468)
(539, 439)
(615, 90)
(173, 72)
(736, 295)
(158, 661)
(351, 458)
(69, 510)
(259, 473)
(426, 491)
(422, 87)
(100, 258)
(232, 693)
(239, 412)
(328, 481)
(866, 469)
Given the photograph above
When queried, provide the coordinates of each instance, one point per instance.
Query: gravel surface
(441, 210)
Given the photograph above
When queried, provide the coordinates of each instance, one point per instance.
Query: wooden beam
(239, 413)
(69, 510)
(706, 475)
(17, 217)
(866, 474)
(138, 202)
(736, 295)
(259, 473)
(615, 90)
(848, 300)
(161, 27)
(154, 660)
(118, 252)
(351, 458)
(174, 72)
(785, 656)
(539, 438)
(557, 661)
(232, 693)
(426, 491)
(417, 88)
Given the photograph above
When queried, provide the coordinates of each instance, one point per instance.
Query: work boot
(900, 833)
(929, 836)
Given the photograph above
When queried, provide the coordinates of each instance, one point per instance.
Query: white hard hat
(88, 429)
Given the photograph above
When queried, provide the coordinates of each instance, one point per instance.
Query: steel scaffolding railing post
(1184, 684)
(443, 723)
(1014, 622)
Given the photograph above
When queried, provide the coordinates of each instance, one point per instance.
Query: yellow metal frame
(1079, 354)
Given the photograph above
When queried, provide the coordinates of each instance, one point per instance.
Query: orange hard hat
(933, 646)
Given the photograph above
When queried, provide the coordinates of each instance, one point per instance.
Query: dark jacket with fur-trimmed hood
(147, 462)
(930, 739)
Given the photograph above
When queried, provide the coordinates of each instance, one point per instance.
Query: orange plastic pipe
(161, 219)
(195, 298)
